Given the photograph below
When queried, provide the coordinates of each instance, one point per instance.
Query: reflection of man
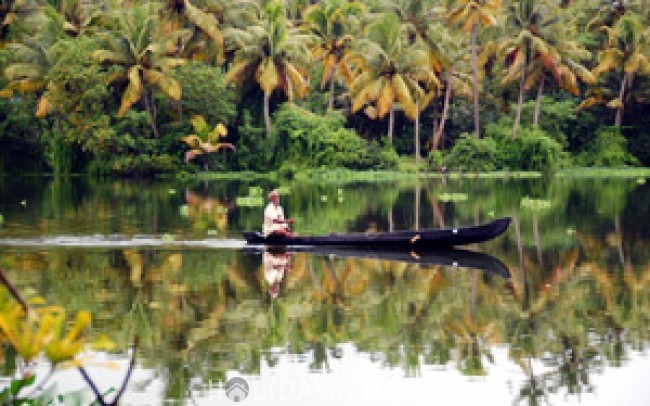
(275, 265)
(274, 222)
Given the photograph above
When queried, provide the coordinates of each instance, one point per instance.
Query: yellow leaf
(168, 85)
(267, 76)
(385, 100)
(133, 91)
(296, 80)
(236, 72)
(615, 104)
(404, 96)
(43, 107)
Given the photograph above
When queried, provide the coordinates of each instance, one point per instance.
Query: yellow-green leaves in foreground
(41, 329)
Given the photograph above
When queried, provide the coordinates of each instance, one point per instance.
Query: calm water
(164, 261)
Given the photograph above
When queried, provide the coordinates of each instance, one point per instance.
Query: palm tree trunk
(435, 122)
(417, 206)
(618, 120)
(391, 124)
(330, 102)
(477, 123)
(267, 114)
(520, 102)
(417, 134)
(148, 108)
(445, 109)
(538, 243)
(538, 102)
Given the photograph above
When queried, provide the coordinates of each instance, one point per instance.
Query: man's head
(274, 197)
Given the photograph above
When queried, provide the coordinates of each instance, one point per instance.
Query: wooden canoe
(427, 238)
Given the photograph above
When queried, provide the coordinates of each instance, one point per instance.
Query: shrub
(435, 160)
(608, 149)
(532, 150)
(472, 154)
(311, 140)
(205, 93)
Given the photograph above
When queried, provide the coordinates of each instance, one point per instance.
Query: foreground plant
(34, 329)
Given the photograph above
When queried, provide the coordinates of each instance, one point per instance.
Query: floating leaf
(249, 201)
(640, 181)
(535, 204)
(184, 210)
(168, 237)
(255, 191)
(452, 197)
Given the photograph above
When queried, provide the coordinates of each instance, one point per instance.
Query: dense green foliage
(111, 88)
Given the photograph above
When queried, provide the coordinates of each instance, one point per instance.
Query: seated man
(274, 222)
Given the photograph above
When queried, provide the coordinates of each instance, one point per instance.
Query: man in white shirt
(274, 222)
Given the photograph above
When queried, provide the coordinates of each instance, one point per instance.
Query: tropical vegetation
(111, 87)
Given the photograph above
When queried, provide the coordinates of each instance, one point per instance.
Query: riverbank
(345, 175)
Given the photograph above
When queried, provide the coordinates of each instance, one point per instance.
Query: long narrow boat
(427, 238)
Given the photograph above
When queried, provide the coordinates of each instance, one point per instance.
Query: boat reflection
(277, 260)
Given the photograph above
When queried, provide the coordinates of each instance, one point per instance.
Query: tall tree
(473, 14)
(627, 53)
(390, 71)
(335, 24)
(566, 67)
(33, 57)
(531, 23)
(139, 48)
(273, 54)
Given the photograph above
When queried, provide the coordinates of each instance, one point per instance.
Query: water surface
(164, 261)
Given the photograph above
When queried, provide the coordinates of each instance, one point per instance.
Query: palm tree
(334, 23)
(33, 58)
(473, 14)
(274, 54)
(138, 47)
(565, 67)
(390, 70)
(16, 13)
(179, 14)
(529, 41)
(626, 52)
(80, 17)
(448, 56)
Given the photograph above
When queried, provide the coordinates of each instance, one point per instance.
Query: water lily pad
(641, 181)
(535, 204)
(452, 197)
(168, 237)
(255, 191)
(249, 201)
(184, 210)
